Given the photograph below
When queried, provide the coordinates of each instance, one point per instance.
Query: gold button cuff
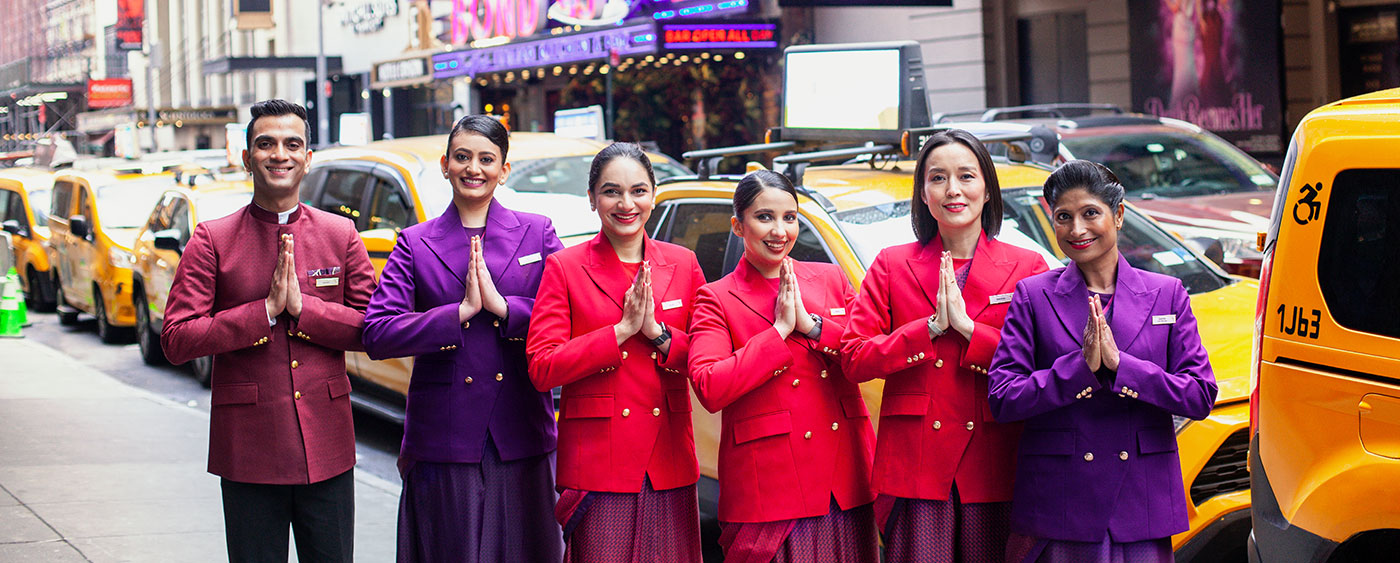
(808, 435)
(626, 412)
(938, 363)
(795, 382)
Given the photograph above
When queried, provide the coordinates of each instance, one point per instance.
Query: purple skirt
(842, 536)
(479, 512)
(1026, 549)
(926, 531)
(647, 527)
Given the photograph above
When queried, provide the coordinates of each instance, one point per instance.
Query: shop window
(1357, 267)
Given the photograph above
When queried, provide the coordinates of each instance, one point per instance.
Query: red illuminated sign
(109, 93)
(721, 36)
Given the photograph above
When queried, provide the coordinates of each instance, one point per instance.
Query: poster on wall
(131, 19)
(1214, 63)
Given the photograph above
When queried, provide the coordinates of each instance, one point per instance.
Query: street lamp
(323, 114)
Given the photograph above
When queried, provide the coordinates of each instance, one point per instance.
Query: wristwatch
(816, 332)
(933, 326)
(663, 338)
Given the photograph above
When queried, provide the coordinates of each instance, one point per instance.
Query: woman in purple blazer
(456, 294)
(1096, 357)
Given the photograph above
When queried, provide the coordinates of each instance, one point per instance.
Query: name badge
(1163, 319)
(672, 304)
(529, 259)
(838, 311)
(327, 282)
(1000, 298)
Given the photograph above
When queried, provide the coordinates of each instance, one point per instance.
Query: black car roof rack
(1057, 110)
(709, 158)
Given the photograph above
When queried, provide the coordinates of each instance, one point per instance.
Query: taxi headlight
(119, 257)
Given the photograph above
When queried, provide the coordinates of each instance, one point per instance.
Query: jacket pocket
(904, 404)
(854, 406)
(339, 386)
(588, 406)
(1047, 442)
(762, 426)
(678, 400)
(234, 394)
(1156, 441)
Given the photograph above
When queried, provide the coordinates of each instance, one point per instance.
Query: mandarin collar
(277, 218)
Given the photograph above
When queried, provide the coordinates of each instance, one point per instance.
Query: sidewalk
(94, 470)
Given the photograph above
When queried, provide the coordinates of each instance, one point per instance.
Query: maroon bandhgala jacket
(280, 407)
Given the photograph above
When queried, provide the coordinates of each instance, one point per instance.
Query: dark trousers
(321, 515)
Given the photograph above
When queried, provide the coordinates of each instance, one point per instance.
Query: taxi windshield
(127, 205)
(1174, 164)
(1146, 246)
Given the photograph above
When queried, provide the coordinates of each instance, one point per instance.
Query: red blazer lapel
(989, 276)
(448, 241)
(605, 270)
(754, 291)
(924, 263)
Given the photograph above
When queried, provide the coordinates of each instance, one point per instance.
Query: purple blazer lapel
(501, 240)
(1132, 304)
(1070, 301)
(448, 241)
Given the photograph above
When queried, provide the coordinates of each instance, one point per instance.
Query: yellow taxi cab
(157, 249)
(849, 212)
(93, 221)
(1325, 381)
(24, 208)
(386, 186)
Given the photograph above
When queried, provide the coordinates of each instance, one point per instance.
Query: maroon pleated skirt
(842, 536)
(944, 531)
(646, 527)
(1026, 549)
(479, 512)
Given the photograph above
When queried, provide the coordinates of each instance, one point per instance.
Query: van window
(62, 200)
(344, 193)
(387, 208)
(704, 229)
(1357, 267)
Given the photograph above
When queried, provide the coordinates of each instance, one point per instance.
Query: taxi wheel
(105, 331)
(203, 368)
(146, 338)
(39, 292)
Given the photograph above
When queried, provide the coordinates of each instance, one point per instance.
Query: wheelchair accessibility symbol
(1307, 208)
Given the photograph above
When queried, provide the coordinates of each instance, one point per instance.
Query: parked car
(386, 186)
(93, 220)
(157, 249)
(849, 212)
(1199, 186)
(24, 208)
(1325, 384)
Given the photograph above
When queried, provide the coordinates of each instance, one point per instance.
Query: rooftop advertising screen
(855, 89)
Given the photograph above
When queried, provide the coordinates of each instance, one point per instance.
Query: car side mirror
(168, 239)
(78, 226)
(13, 227)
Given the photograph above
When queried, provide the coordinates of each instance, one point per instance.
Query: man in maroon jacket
(276, 293)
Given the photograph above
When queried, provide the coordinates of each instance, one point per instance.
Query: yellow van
(93, 220)
(157, 249)
(24, 208)
(849, 212)
(1325, 380)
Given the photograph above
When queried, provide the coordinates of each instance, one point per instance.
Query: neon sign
(561, 49)
(475, 20)
(721, 36)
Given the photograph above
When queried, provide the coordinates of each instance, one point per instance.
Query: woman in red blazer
(927, 321)
(795, 448)
(609, 326)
